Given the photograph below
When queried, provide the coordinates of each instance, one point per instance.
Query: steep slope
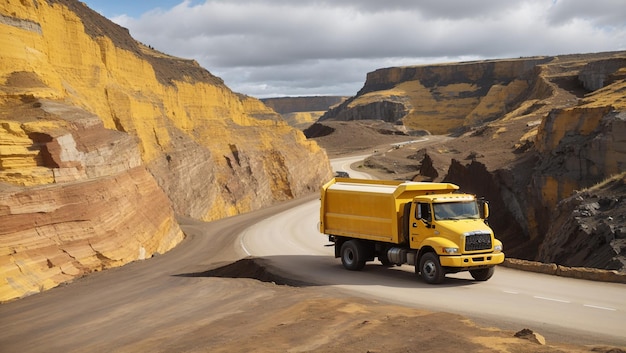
(589, 228)
(103, 140)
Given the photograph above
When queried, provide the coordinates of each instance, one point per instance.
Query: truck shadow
(317, 270)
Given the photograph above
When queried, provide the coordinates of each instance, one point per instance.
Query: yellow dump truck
(428, 225)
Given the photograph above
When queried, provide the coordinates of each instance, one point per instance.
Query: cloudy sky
(270, 48)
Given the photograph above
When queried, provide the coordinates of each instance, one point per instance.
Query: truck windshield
(456, 210)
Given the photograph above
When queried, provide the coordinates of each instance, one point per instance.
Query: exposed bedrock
(445, 98)
(390, 109)
(589, 228)
(100, 207)
(506, 214)
(577, 147)
(104, 139)
(601, 73)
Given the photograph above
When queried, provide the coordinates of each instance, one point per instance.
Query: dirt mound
(345, 137)
(251, 267)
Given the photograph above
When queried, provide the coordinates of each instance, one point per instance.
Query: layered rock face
(589, 228)
(76, 198)
(441, 98)
(580, 145)
(103, 140)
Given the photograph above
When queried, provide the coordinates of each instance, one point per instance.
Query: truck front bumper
(477, 260)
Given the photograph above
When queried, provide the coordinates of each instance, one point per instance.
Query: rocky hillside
(589, 228)
(103, 140)
(301, 112)
(524, 133)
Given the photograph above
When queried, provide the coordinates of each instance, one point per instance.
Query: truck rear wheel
(353, 255)
(483, 274)
(430, 268)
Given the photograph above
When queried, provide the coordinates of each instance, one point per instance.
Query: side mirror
(485, 210)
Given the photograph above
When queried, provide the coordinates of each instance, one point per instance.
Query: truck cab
(454, 227)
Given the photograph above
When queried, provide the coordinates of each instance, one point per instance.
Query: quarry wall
(103, 140)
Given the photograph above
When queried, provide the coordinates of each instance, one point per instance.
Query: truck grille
(477, 241)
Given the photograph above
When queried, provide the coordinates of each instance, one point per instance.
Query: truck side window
(423, 212)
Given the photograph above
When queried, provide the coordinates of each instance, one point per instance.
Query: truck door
(421, 225)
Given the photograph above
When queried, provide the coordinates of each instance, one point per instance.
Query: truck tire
(430, 268)
(483, 274)
(352, 255)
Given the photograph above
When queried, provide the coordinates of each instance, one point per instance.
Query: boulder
(532, 336)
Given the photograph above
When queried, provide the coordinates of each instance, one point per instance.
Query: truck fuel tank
(400, 256)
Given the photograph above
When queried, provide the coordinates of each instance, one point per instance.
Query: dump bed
(370, 209)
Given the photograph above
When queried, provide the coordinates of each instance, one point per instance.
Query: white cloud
(305, 47)
(602, 13)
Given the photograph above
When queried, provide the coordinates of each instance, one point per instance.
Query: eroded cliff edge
(103, 140)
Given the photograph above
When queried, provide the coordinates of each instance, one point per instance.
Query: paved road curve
(578, 309)
(344, 164)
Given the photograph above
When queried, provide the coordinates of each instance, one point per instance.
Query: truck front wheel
(431, 269)
(352, 255)
(483, 274)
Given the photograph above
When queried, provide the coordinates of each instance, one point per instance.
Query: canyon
(119, 159)
(107, 116)
(527, 134)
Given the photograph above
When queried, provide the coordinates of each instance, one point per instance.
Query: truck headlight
(497, 248)
(451, 250)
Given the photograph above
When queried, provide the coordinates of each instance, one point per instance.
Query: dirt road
(141, 304)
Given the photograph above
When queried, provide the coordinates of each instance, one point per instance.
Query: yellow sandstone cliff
(441, 98)
(103, 140)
